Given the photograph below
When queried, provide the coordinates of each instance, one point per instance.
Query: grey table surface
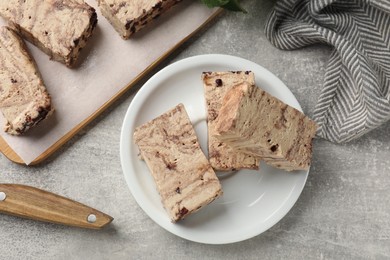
(342, 213)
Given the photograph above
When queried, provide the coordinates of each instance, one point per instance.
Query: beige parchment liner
(106, 65)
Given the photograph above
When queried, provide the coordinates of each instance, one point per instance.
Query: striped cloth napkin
(356, 93)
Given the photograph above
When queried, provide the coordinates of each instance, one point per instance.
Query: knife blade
(33, 203)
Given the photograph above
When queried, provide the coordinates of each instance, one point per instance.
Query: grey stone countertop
(342, 213)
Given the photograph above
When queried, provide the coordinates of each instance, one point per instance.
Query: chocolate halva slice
(184, 178)
(60, 28)
(128, 17)
(222, 157)
(253, 121)
(24, 101)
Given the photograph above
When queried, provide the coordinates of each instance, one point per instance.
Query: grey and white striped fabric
(356, 93)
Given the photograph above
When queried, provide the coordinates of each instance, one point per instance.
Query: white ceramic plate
(253, 201)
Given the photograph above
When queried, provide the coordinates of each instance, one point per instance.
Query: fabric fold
(355, 97)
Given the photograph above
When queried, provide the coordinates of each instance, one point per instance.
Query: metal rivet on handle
(91, 218)
(2, 196)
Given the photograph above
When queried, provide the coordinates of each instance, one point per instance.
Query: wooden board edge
(14, 157)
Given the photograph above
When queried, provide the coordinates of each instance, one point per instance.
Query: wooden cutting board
(13, 156)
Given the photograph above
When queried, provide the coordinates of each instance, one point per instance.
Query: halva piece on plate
(184, 178)
(254, 122)
(223, 157)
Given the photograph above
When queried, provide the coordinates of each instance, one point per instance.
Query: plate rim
(126, 141)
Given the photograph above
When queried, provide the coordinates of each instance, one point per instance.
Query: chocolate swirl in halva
(184, 178)
(223, 157)
(128, 17)
(24, 100)
(253, 121)
(60, 28)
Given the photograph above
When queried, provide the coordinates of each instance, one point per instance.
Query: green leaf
(231, 5)
(215, 3)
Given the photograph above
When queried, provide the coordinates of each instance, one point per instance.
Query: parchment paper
(106, 65)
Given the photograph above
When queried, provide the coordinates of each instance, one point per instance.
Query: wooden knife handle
(29, 202)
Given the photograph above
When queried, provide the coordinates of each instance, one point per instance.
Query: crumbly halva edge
(257, 123)
(29, 99)
(183, 176)
(61, 29)
(223, 157)
(130, 17)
